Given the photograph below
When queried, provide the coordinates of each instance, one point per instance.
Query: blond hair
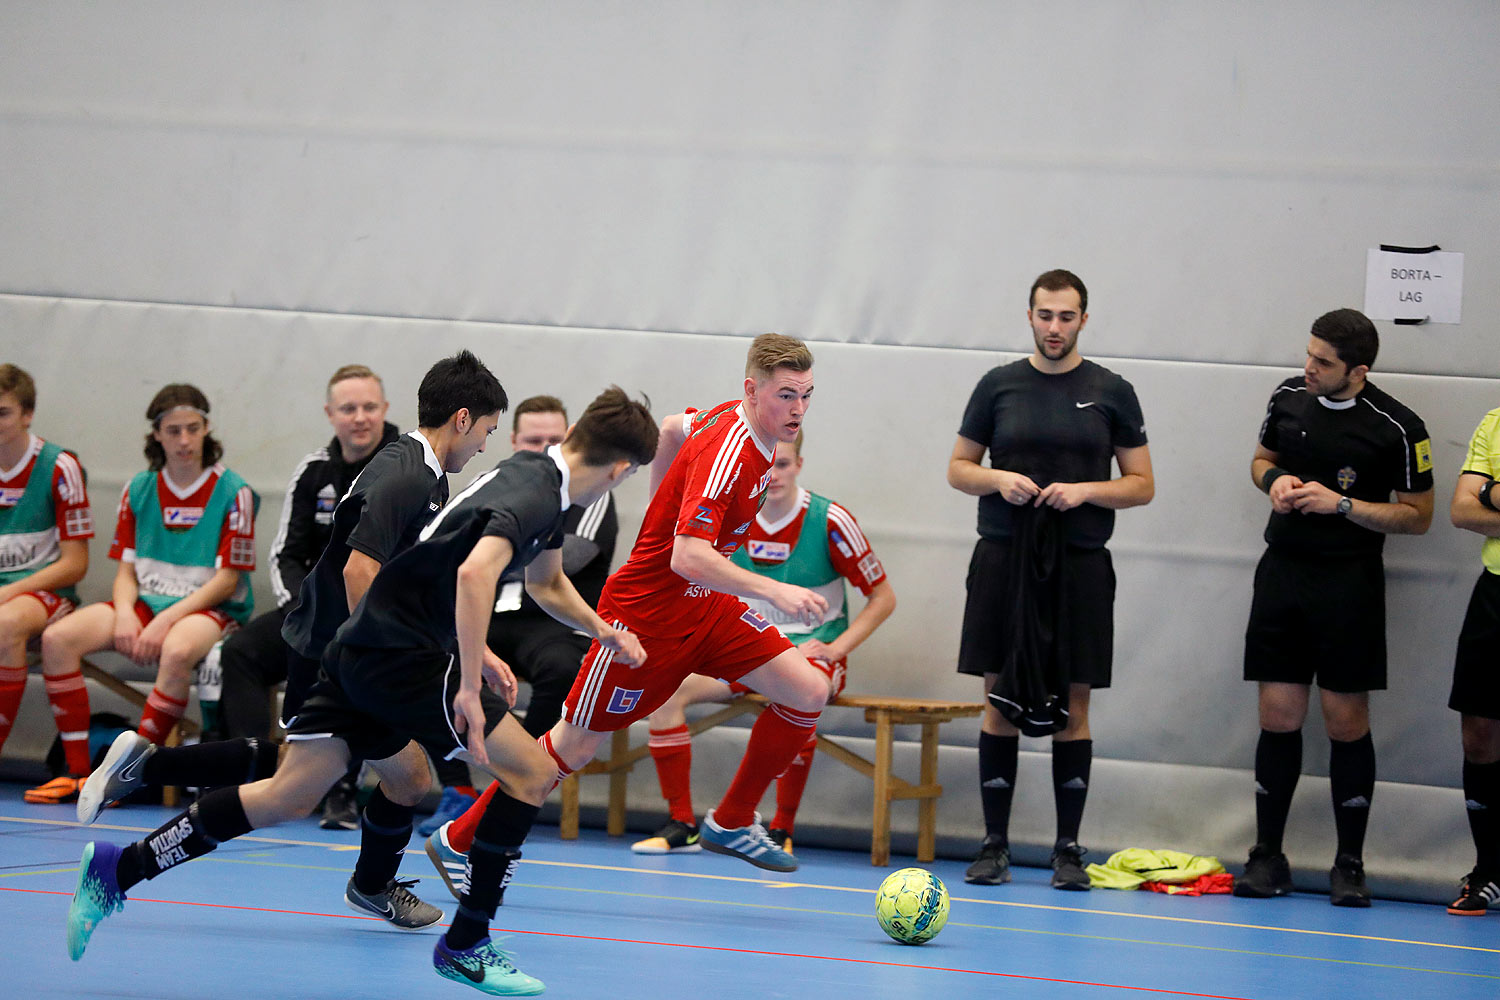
(354, 371)
(771, 351)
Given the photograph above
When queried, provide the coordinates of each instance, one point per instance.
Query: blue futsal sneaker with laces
(452, 805)
(96, 897)
(484, 967)
(752, 843)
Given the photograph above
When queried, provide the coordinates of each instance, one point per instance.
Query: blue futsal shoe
(484, 967)
(452, 805)
(752, 843)
(96, 897)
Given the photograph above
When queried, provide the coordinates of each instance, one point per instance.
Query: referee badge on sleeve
(1424, 455)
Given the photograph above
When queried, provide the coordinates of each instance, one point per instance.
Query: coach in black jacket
(254, 659)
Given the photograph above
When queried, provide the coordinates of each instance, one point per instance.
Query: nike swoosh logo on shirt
(1082, 405)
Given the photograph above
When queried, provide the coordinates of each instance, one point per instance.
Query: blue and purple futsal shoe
(96, 896)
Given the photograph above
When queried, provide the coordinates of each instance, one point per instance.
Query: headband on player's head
(181, 406)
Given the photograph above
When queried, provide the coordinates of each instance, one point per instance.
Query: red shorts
(836, 670)
(144, 614)
(54, 604)
(730, 642)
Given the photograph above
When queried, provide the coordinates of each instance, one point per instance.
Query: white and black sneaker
(395, 904)
(118, 776)
(676, 837)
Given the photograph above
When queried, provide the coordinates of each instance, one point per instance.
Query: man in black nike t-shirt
(1040, 582)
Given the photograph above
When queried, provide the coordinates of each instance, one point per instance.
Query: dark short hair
(18, 383)
(537, 404)
(1055, 281)
(1351, 335)
(169, 398)
(461, 382)
(615, 427)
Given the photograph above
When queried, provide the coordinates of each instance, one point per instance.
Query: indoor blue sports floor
(264, 917)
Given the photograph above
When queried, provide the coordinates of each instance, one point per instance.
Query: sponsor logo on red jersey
(762, 551)
(11, 495)
(181, 517)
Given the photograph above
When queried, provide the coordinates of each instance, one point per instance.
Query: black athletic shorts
(1318, 618)
(377, 700)
(1087, 636)
(1476, 668)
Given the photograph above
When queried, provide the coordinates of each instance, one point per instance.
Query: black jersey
(588, 549)
(390, 502)
(1054, 429)
(410, 605)
(1365, 448)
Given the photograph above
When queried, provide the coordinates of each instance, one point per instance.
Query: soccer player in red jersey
(681, 596)
(185, 539)
(45, 527)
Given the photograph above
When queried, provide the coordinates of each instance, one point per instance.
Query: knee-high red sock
(70, 707)
(790, 785)
(462, 830)
(672, 753)
(160, 715)
(778, 734)
(12, 687)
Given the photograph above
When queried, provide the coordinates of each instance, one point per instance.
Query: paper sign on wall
(1421, 286)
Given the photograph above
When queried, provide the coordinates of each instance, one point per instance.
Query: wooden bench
(885, 713)
(122, 682)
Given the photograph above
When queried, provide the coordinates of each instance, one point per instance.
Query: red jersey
(70, 497)
(712, 491)
(183, 507)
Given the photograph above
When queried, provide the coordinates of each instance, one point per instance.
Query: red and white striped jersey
(70, 497)
(712, 491)
(770, 543)
(183, 508)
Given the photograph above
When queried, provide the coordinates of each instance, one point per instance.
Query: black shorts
(1476, 671)
(1318, 619)
(377, 700)
(1086, 638)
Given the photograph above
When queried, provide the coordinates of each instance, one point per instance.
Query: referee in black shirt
(1041, 580)
(1333, 450)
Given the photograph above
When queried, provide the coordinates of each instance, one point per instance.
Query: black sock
(997, 781)
(207, 823)
(1071, 760)
(384, 832)
(1278, 765)
(1482, 797)
(1351, 778)
(492, 858)
(212, 765)
(453, 773)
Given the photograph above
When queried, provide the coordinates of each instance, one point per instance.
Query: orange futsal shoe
(57, 791)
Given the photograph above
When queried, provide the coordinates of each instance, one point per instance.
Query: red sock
(12, 687)
(70, 707)
(461, 831)
(778, 734)
(790, 785)
(160, 715)
(672, 752)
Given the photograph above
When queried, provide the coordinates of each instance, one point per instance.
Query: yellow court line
(782, 884)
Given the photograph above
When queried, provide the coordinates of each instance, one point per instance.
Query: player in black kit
(1039, 620)
(458, 406)
(1333, 449)
(407, 665)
